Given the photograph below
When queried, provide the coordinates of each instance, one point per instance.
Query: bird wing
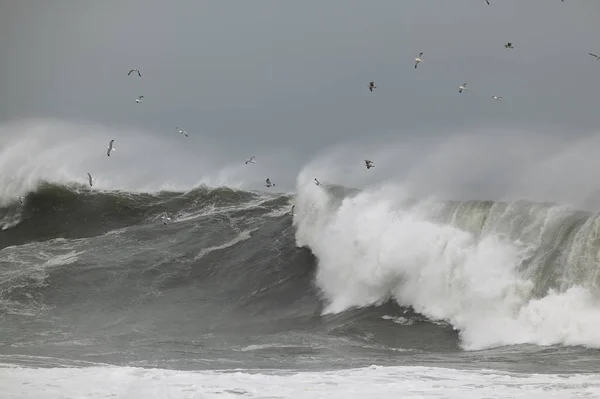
(593, 55)
(130, 72)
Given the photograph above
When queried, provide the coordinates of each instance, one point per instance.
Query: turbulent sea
(358, 294)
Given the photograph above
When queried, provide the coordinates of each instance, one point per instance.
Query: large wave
(500, 272)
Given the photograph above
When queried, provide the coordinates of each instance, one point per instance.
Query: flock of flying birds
(368, 164)
(252, 159)
(165, 217)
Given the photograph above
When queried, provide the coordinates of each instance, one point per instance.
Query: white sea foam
(371, 382)
(370, 249)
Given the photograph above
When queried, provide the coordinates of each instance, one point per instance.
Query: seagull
(90, 179)
(250, 160)
(135, 70)
(110, 148)
(20, 199)
(597, 57)
(269, 184)
(318, 183)
(497, 97)
(139, 99)
(165, 218)
(182, 131)
(508, 45)
(292, 211)
(372, 86)
(418, 60)
(462, 87)
(369, 164)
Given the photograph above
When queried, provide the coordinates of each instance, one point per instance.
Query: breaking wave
(501, 273)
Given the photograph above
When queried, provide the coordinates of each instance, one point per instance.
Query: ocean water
(358, 293)
(370, 292)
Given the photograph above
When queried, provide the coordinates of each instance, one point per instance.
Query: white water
(369, 249)
(371, 382)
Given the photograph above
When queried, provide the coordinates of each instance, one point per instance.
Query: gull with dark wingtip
(110, 148)
(418, 60)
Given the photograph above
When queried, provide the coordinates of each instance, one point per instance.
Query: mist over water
(471, 251)
(64, 152)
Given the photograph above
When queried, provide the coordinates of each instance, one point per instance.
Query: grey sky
(274, 76)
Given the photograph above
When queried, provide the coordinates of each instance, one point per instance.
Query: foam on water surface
(372, 382)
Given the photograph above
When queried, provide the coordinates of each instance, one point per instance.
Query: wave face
(354, 277)
(501, 273)
(75, 211)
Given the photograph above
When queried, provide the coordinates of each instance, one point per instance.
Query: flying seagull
(139, 99)
(372, 86)
(20, 199)
(165, 218)
(369, 164)
(318, 183)
(597, 57)
(508, 45)
(182, 131)
(90, 179)
(250, 160)
(269, 184)
(135, 70)
(462, 87)
(292, 211)
(418, 60)
(497, 97)
(110, 148)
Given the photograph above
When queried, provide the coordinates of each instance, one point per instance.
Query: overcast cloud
(290, 77)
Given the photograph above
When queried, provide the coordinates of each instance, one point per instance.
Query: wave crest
(501, 272)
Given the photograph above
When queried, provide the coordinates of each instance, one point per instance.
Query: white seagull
(90, 179)
(165, 218)
(269, 184)
(597, 57)
(418, 60)
(182, 131)
(462, 87)
(250, 160)
(20, 199)
(497, 97)
(135, 70)
(110, 148)
(318, 183)
(139, 99)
